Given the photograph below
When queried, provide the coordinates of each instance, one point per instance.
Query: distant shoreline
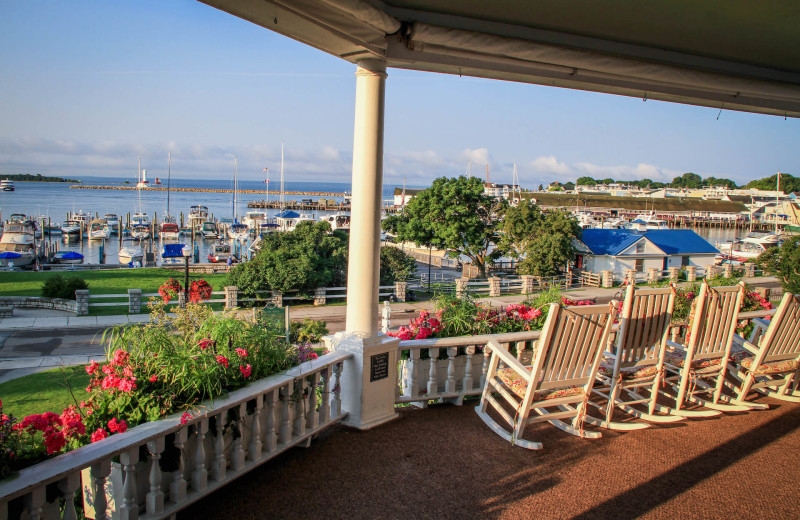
(209, 190)
(25, 177)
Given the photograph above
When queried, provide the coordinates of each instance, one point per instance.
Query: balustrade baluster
(177, 488)
(450, 386)
(200, 474)
(466, 385)
(272, 435)
(286, 424)
(299, 403)
(237, 450)
(34, 502)
(130, 508)
(311, 403)
(100, 472)
(68, 486)
(433, 385)
(325, 405)
(254, 449)
(155, 497)
(485, 368)
(218, 468)
(520, 350)
(336, 402)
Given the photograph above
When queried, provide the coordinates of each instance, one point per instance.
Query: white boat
(765, 239)
(254, 219)
(83, 218)
(169, 230)
(238, 231)
(219, 253)
(617, 223)
(98, 229)
(338, 220)
(197, 215)
(18, 243)
(113, 222)
(585, 219)
(172, 254)
(70, 228)
(140, 226)
(647, 222)
(7, 185)
(209, 229)
(66, 257)
(739, 250)
(130, 252)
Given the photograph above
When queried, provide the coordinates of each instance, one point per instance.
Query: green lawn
(107, 281)
(44, 391)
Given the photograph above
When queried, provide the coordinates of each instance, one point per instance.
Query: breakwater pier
(209, 190)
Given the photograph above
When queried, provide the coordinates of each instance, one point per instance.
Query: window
(685, 261)
(640, 247)
(639, 265)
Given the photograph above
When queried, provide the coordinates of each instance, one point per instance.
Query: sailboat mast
(282, 199)
(777, 201)
(235, 191)
(138, 183)
(169, 177)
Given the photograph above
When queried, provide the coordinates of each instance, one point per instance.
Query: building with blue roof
(619, 250)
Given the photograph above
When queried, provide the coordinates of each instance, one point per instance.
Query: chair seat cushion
(607, 369)
(677, 358)
(775, 367)
(517, 384)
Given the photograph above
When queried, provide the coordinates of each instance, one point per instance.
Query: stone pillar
(673, 273)
(607, 279)
(277, 298)
(82, 302)
(134, 301)
(461, 286)
(494, 286)
(750, 270)
(711, 271)
(369, 378)
(386, 317)
(727, 270)
(652, 275)
(527, 284)
(630, 276)
(231, 297)
(691, 273)
(364, 250)
(319, 296)
(764, 292)
(400, 291)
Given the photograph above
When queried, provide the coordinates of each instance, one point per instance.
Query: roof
(287, 214)
(680, 241)
(609, 241)
(731, 54)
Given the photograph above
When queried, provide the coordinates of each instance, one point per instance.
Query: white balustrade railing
(221, 442)
(452, 368)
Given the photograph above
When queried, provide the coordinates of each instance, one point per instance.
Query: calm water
(55, 200)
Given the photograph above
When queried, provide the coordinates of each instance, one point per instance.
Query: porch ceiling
(732, 54)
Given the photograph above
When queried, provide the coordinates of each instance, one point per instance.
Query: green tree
(542, 239)
(726, 183)
(789, 183)
(585, 181)
(396, 265)
(784, 262)
(452, 215)
(608, 180)
(304, 259)
(687, 180)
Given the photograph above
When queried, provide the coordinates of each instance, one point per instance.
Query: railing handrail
(464, 341)
(53, 470)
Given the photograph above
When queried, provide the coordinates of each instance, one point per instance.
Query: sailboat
(169, 229)
(238, 230)
(140, 222)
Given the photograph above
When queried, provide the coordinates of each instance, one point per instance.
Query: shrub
(63, 287)
(396, 265)
(307, 331)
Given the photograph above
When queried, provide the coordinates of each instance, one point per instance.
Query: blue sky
(88, 86)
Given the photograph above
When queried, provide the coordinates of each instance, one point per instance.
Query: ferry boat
(169, 230)
(7, 185)
(209, 229)
(18, 243)
(338, 220)
(219, 253)
(113, 222)
(130, 253)
(98, 229)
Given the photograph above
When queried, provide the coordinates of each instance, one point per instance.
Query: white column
(364, 255)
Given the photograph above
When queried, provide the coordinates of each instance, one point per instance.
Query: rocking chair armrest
(760, 327)
(678, 346)
(506, 357)
(742, 343)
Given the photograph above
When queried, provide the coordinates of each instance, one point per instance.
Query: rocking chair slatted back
(646, 315)
(782, 339)
(567, 353)
(715, 319)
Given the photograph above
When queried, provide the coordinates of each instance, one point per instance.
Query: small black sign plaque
(379, 367)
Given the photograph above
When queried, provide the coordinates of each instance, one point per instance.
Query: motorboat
(647, 222)
(70, 228)
(239, 231)
(267, 228)
(7, 185)
(98, 229)
(113, 222)
(130, 253)
(172, 254)
(140, 226)
(18, 243)
(739, 250)
(169, 230)
(767, 239)
(219, 253)
(585, 219)
(254, 219)
(66, 257)
(209, 229)
(337, 220)
(83, 218)
(197, 215)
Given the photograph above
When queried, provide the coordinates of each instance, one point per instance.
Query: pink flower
(185, 417)
(246, 371)
(119, 426)
(153, 378)
(54, 440)
(92, 368)
(204, 343)
(98, 435)
(222, 360)
(242, 352)
(126, 385)
(120, 358)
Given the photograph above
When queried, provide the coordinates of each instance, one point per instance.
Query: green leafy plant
(307, 331)
(63, 287)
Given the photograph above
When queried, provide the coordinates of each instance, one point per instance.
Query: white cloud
(625, 172)
(329, 153)
(549, 164)
(477, 156)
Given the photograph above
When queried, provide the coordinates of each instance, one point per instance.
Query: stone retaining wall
(39, 302)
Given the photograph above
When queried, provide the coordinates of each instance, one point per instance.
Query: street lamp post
(186, 252)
